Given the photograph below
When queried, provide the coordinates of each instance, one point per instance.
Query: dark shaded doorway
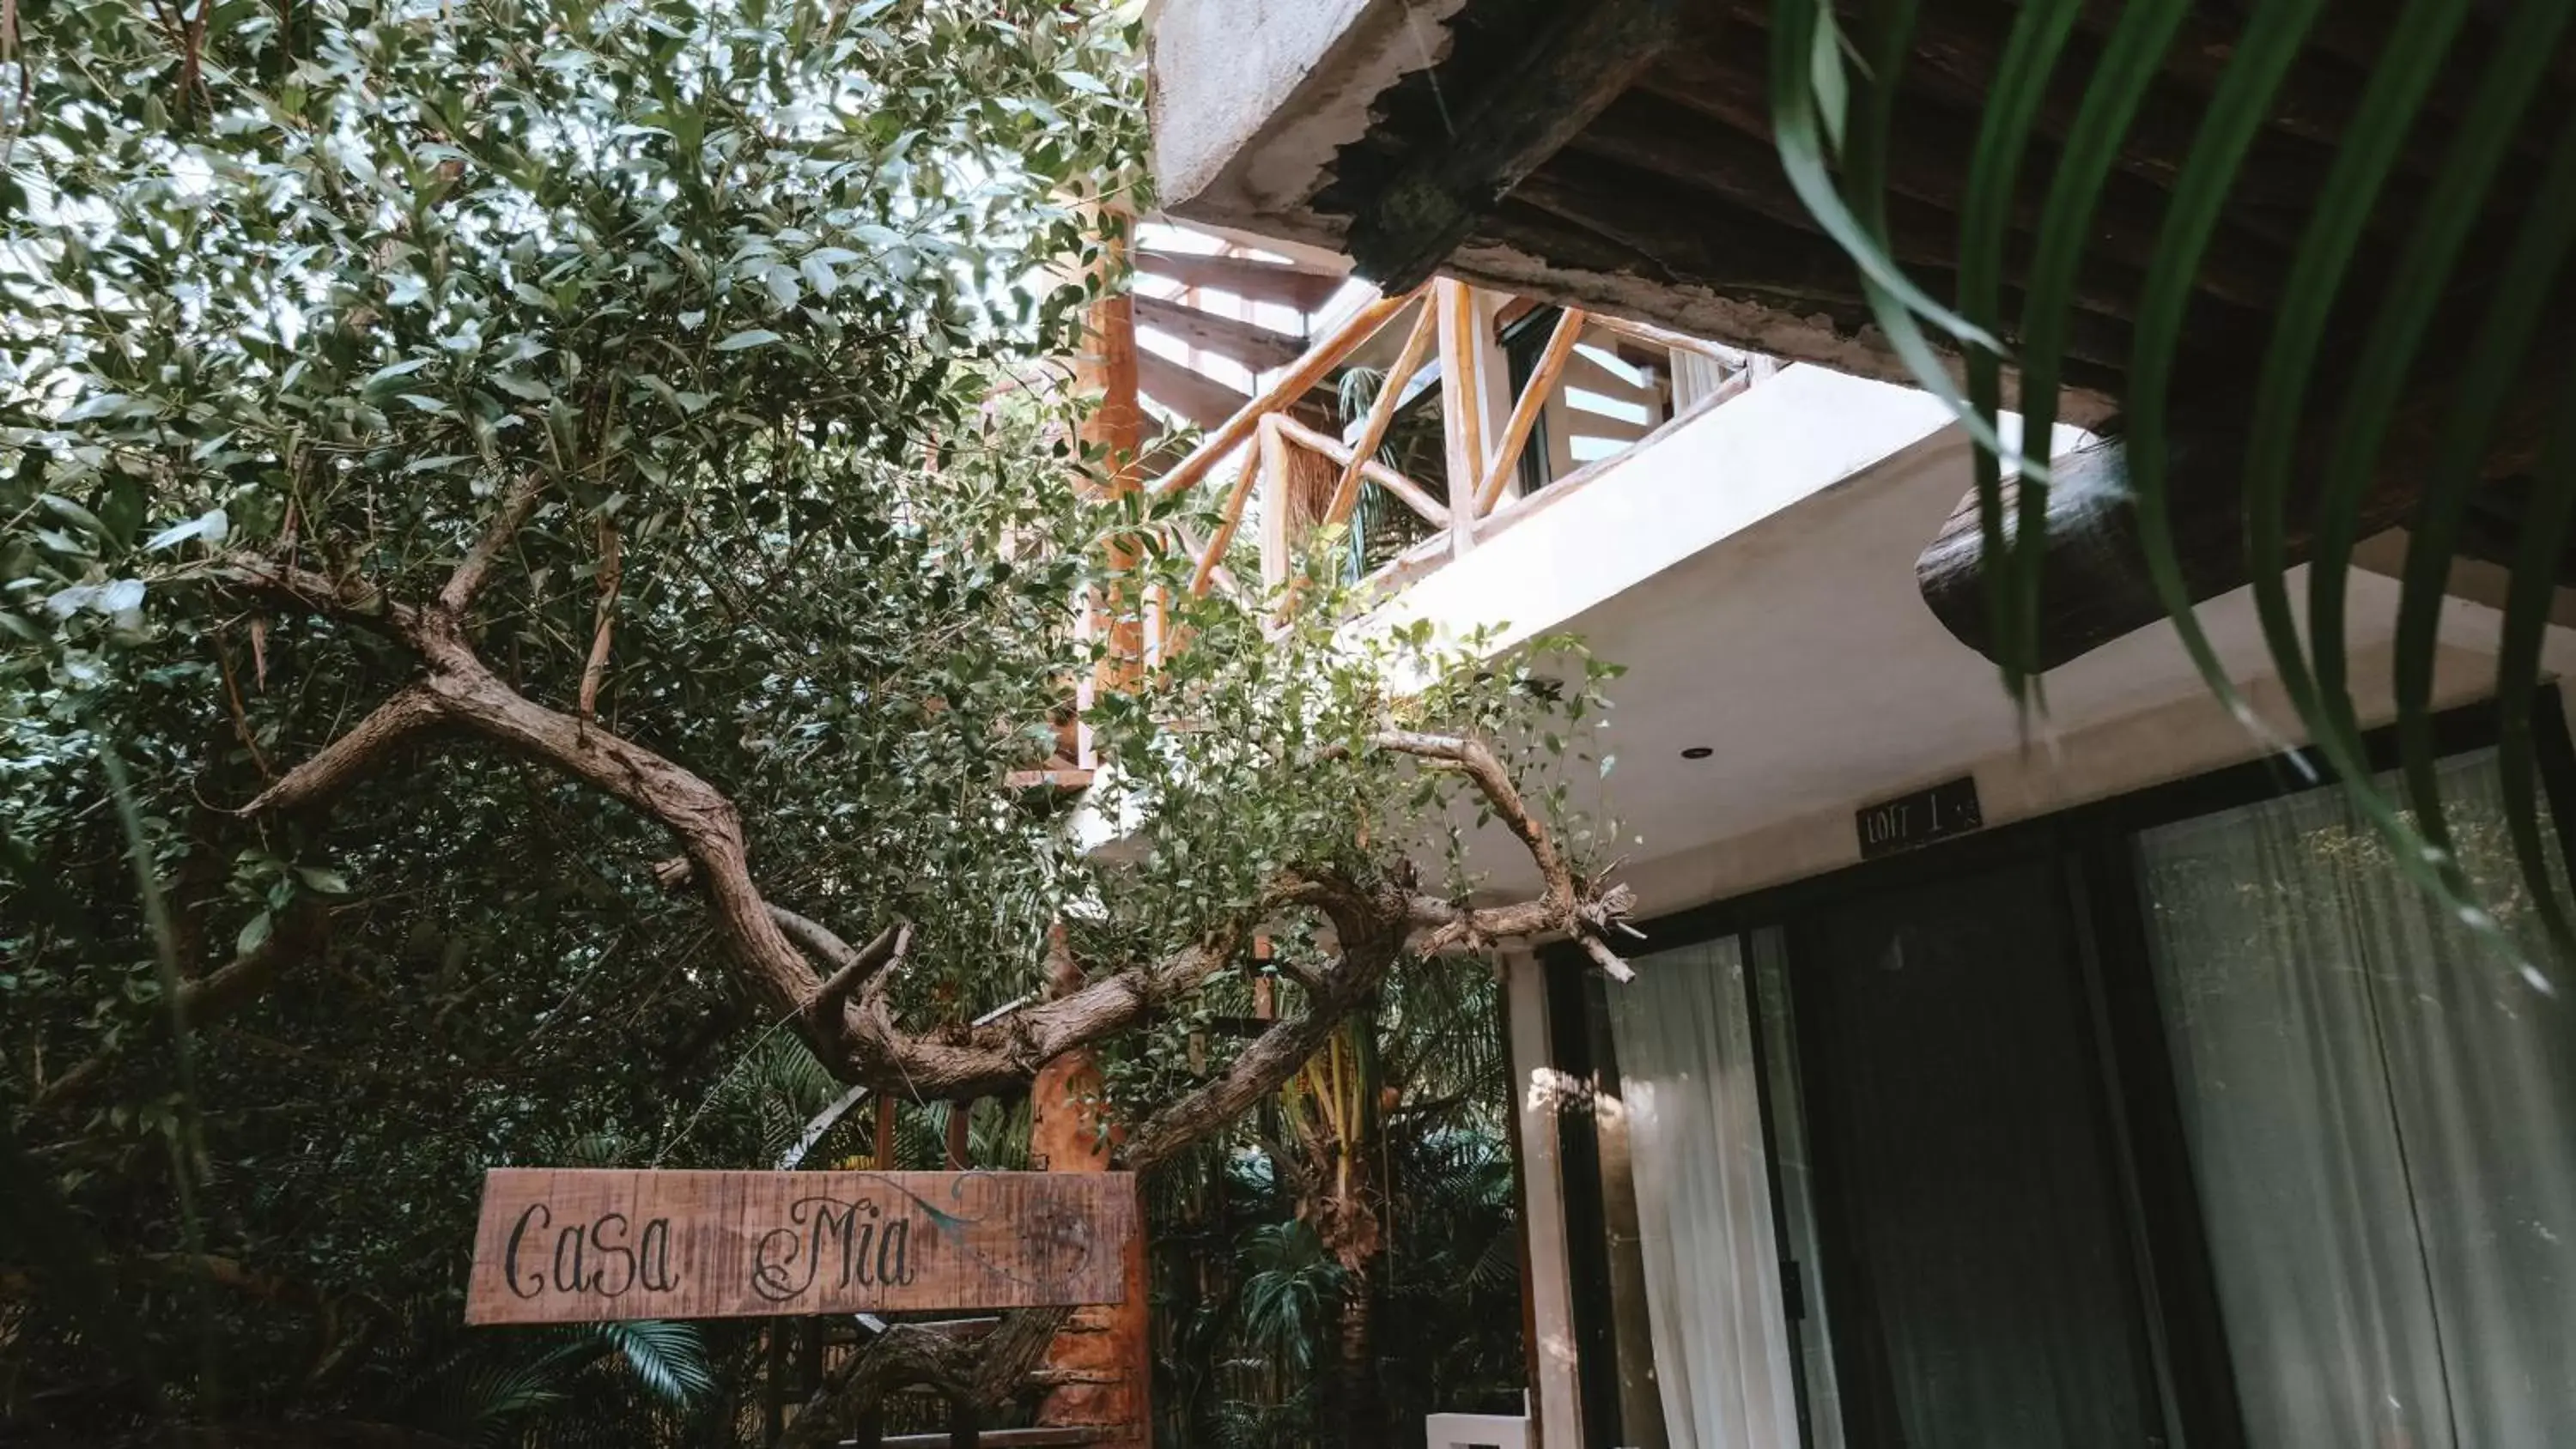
(1977, 1263)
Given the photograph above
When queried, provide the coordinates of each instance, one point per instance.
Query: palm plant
(1289, 1298)
(1835, 77)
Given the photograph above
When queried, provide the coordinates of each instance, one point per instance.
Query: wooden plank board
(1588, 374)
(584, 1245)
(1255, 346)
(1283, 282)
(1585, 423)
(1194, 395)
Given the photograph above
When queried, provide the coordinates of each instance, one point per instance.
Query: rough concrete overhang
(1618, 155)
(1251, 100)
(1259, 108)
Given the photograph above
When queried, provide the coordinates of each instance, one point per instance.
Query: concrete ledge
(1249, 100)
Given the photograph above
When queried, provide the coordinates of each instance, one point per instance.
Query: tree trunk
(1358, 1415)
(1348, 1220)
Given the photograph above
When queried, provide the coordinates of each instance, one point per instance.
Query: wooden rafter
(1562, 74)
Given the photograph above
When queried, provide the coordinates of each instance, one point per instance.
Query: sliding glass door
(1977, 1264)
(2181, 1120)
(1690, 1085)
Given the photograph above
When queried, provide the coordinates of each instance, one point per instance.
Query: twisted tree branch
(407, 715)
(1374, 925)
(1581, 910)
(826, 1011)
(518, 505)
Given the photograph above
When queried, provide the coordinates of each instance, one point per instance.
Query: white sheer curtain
(2381, 1114)
(1712, 1265)
(1695, 376)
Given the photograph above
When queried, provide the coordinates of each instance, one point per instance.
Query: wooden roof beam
(1732, 253)
(1927, 161)
(1660, 136)
(1575, 64)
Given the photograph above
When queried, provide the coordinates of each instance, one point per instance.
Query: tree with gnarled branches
(453, 454)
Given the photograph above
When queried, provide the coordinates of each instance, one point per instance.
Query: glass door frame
(2095, 851)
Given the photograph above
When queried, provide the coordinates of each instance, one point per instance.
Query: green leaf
(750, 337)
(2263, 57)
(379, 384)
(213, 526)
(76, 515)
(519, 386)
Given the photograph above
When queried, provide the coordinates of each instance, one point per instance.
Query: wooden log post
(1461, 406)
(1278, 538)
(1105, 371)
(1099, 1370)
(1066, 1090)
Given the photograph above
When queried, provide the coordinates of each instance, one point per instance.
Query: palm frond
(668, 1359)
(2349, 333)
(491, 1401)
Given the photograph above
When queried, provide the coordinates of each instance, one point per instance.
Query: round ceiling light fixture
(1698, 752)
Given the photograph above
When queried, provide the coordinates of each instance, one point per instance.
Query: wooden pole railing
(1449, 322)
(1381, 416)
(1525, 413)
(1292, 385)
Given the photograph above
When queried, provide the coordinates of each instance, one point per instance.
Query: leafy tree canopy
(448, 452)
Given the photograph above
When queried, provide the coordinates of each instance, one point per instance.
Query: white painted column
(1557, 1410)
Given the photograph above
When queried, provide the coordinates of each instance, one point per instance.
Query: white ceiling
(1800, 651)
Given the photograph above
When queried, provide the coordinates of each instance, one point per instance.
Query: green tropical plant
(514, 516)
(1289, 1296)
(1288, 1246)
(1835, 75)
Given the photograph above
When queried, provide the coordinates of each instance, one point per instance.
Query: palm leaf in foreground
(1833, 105)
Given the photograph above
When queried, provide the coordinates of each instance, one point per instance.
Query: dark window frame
(2096, 846)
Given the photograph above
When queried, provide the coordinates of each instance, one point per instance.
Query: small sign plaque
(577, 1246)
(1937, 813)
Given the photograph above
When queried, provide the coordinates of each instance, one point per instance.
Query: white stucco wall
(1736, 464)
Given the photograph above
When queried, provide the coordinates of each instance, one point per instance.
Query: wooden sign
(577, 1246)
(1944, 810)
